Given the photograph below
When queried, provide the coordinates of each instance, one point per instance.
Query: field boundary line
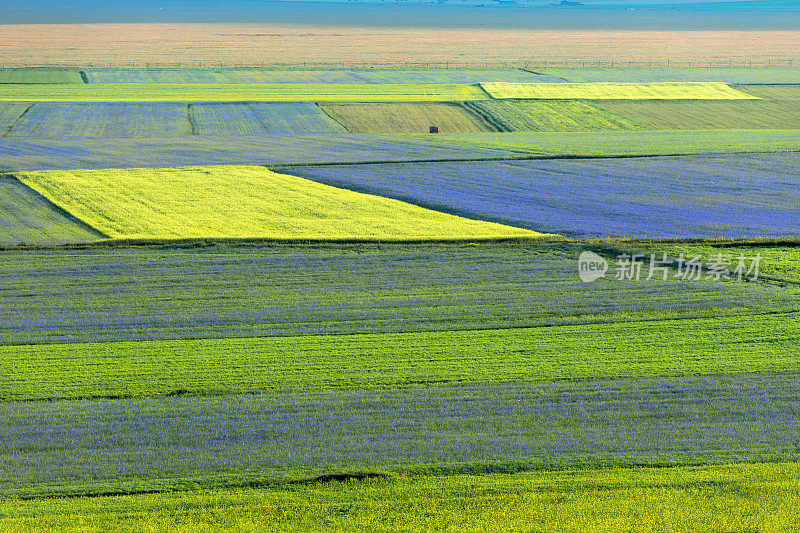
(14, 122)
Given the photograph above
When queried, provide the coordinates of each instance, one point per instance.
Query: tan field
(273, 44)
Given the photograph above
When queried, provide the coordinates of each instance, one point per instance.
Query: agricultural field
(39, 75)
(242, 202)
(748, 75)
(705, 499)
(703, 114)
(312, 76)
(632, 143)
(703, 196)
(407, 118)
(239, 92)
(28, 218)
(154, 293)
(269, 298)
(611, 91)
(550, 115)
(42, 120)
(260, 118)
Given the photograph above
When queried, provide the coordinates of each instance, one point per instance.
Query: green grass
(550, 115)
(27, 218)
(40, 76)
(406, 117)
(707, 114)
(243, 202)
(721, 345)
(615, 91)
(778, 262)
(678, 74)
(633, 143)
(260, 92)
(772, 92)
(736, 498)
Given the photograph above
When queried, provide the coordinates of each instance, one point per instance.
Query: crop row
(703, 196)
(77, 446)
(703, 499)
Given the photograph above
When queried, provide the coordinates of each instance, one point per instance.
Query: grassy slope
(702, 499)
(406, 118)
(214, 92)
(772, 92)
(725, 345)
(708, 114)
(680, 74)
(540, 115)
(242, 202)
(630, 143)
(615, 91)
(27, 218)
(40, 76)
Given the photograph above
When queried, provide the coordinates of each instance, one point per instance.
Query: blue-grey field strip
(99, 152)
(50, 296)
(742, 195)
(101, 445)
(314, 76)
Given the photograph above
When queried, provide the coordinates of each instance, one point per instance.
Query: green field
(27, 218)
(406, 117)
(40, 76)
(678, 74)
(707, 114)
(549, 115)
(632, 143)
(750, 497)
(258, 92)
(658, 348)
(772, 92)
(242, 202)
(613, 91)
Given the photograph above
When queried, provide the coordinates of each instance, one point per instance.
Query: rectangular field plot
(243, 92)
(40, 75)
(678, 74)
(242, 202)
(406, 117)
(28, 218)
(772, 92)
(10, 112)
(631, 143)
(98, 445)
(155, 293)
(313, 76)
(98, 152)
(708, 114)
(690, 196)
(614, 91)
(102, 120)
(260, 118)
(549, 115)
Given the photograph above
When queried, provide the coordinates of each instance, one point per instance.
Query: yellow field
(261, 92)
(406, 118)
(242, 202)
(616, 91)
